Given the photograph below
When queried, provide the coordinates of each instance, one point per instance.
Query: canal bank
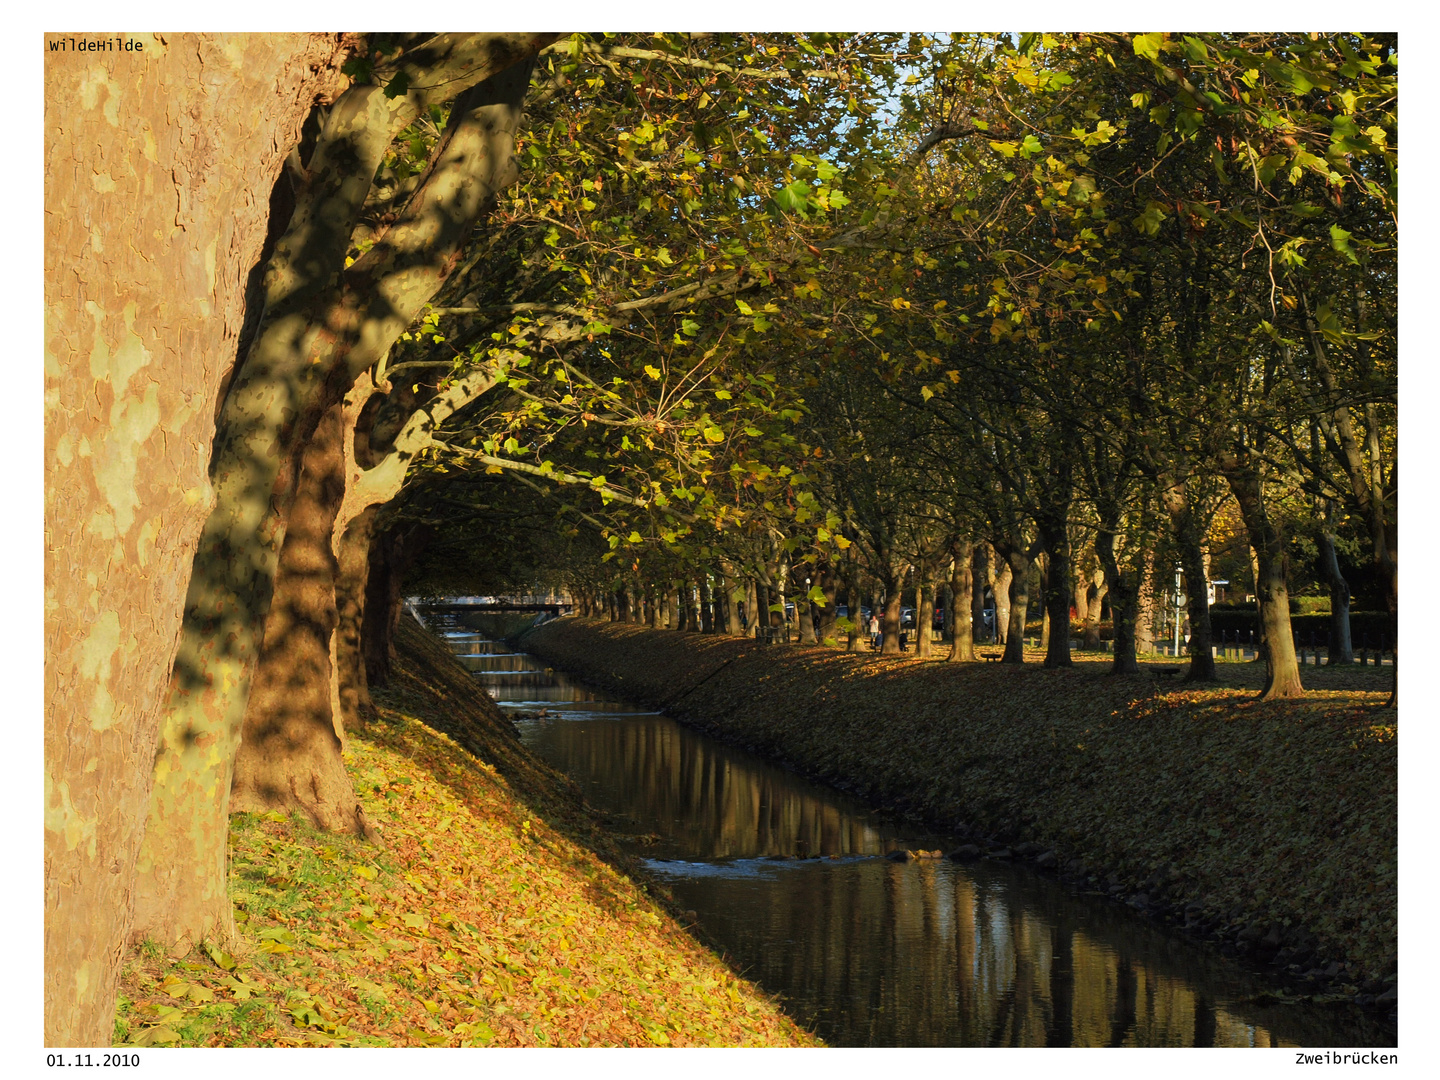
(488, 909)
(1268, 829)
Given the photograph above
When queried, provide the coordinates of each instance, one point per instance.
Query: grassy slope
(1271, 812)
(484, 917)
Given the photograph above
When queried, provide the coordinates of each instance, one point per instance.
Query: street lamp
(1178, 599)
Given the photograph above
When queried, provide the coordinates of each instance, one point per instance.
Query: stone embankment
(1268, 829)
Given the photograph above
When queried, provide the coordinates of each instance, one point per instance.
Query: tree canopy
(700, 326)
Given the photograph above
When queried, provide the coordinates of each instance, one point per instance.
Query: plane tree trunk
(979, 577)
(1340, 650)
(289, 753)
(1145, 604)
(924, 609)
(1018, 559)
(1187, 529)
(962, 625)
(352, 571)
(158, 169)
(1282, 667)
(321, 328)
(1056, 537)
(1000, 589)
(1124, 589)
(391, 554)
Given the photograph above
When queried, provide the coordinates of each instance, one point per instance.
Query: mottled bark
(825, 628)
(892, 573)
(924, 611)
(1282, 667)
(804, 618)
(1096, 588)
(962, 577)
(322, 327)
(733, 624)
(1341, 650)
(1056, 538)
(1018, 560)
(352, 689)
(1145, 604)
(289, 753)
(391, 554)
(890, 623)
(157, 165)
(1124, 589)
(1000, 589)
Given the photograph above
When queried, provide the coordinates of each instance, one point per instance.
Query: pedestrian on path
(874, 631)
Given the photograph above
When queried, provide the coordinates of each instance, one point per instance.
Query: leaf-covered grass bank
(482, 917)
(1268, 826)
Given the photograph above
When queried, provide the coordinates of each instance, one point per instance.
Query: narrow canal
(790, 878)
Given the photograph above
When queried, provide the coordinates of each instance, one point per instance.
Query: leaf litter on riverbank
(477, 920)
(1279, 812)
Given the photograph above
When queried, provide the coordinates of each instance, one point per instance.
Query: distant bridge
(555, 610)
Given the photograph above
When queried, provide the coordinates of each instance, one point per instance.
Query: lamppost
(1178, 600)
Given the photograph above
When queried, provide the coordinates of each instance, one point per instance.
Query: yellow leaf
(155, 1035)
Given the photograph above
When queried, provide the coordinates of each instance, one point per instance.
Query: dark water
(788, 877)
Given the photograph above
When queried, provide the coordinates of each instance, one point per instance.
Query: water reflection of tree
(924, 954)
(709, 805)
(913, 954)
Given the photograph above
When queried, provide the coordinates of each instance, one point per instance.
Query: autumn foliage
(483, 917)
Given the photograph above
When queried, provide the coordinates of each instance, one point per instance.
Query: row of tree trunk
(717, 602)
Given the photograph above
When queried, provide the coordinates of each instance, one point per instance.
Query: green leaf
(1148, 45)
(400, 84)
(223, 960)
(154, 1036)
(1340, 240)
(358, 68)
(794, 198)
